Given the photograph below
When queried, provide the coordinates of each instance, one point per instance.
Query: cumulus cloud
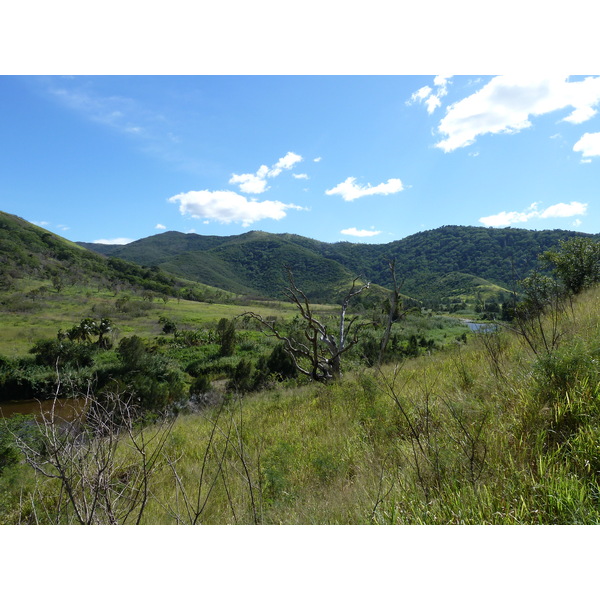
(251, 184)
(564, 210)
(588, 145)
(560, 210)
(299, 175)
(256, 183)
(287, 162)
(421, 94)
(117, 241)
(360, 232)
(160, 226)
(432, 97)
(350, 191)
(506, 103)
(229, 207)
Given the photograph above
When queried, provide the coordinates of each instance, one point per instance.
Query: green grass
(455, 438)
(480, 433)
(24, 320)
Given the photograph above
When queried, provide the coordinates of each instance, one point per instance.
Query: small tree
(537, 316)
(577, 263)
(226, 336)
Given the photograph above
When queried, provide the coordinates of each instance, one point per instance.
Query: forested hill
(33, 253)
(447, 261)
(431, 263)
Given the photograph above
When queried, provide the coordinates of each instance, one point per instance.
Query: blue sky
(358, 158)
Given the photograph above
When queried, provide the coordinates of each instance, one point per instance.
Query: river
(65, 409)
(480, 326)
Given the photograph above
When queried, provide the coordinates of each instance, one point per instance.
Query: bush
(63, 353)
(281, 364)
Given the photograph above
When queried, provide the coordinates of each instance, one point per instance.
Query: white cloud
(349, 190)
(229, 207)
(421, 94)
(256, 183)
(430, 97)
(564, 210)
(432, 103)
(506, 103)
(41, 223)
(441, 82)
(117, 241)
(249, 183)
(360, 232)
(299, 175)
(159, 226)
(588, 145)
(560, 210)
(63, 227)
(504, 219)
(318, 159)
(287, 162)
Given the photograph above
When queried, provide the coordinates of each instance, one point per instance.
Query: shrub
(62, 353)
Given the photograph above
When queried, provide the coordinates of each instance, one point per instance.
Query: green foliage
(18, 426)
(281, 364)
(201, 385)
(168, 325)
(62, 353)
(28, 250)
(576, 263)
(449, 261)
(226, 336)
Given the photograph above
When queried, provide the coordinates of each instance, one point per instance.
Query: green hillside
(494, 259)
(252, 263)
(33, 256)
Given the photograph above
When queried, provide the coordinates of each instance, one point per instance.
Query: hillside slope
(253, 262)
(31, 252)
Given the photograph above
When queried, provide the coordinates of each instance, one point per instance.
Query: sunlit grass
(470, 445)
(478, 433)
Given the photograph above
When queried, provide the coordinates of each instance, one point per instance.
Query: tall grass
(486, 432)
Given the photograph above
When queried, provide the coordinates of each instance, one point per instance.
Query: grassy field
(486, 432)
(26, 319)
(480, 434)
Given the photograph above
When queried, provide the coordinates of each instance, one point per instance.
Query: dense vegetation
(450, 261)
(194, 415)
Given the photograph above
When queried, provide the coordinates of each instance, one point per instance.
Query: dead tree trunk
(319, 357)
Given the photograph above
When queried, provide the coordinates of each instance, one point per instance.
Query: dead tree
(394, 313)
(320, 355)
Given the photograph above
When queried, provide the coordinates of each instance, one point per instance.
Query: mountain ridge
(254, 261)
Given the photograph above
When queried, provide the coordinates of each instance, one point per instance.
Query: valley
(206, 414)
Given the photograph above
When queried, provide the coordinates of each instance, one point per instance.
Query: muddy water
(65, 409)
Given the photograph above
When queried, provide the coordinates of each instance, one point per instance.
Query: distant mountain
(251, 263)
(446, 261)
